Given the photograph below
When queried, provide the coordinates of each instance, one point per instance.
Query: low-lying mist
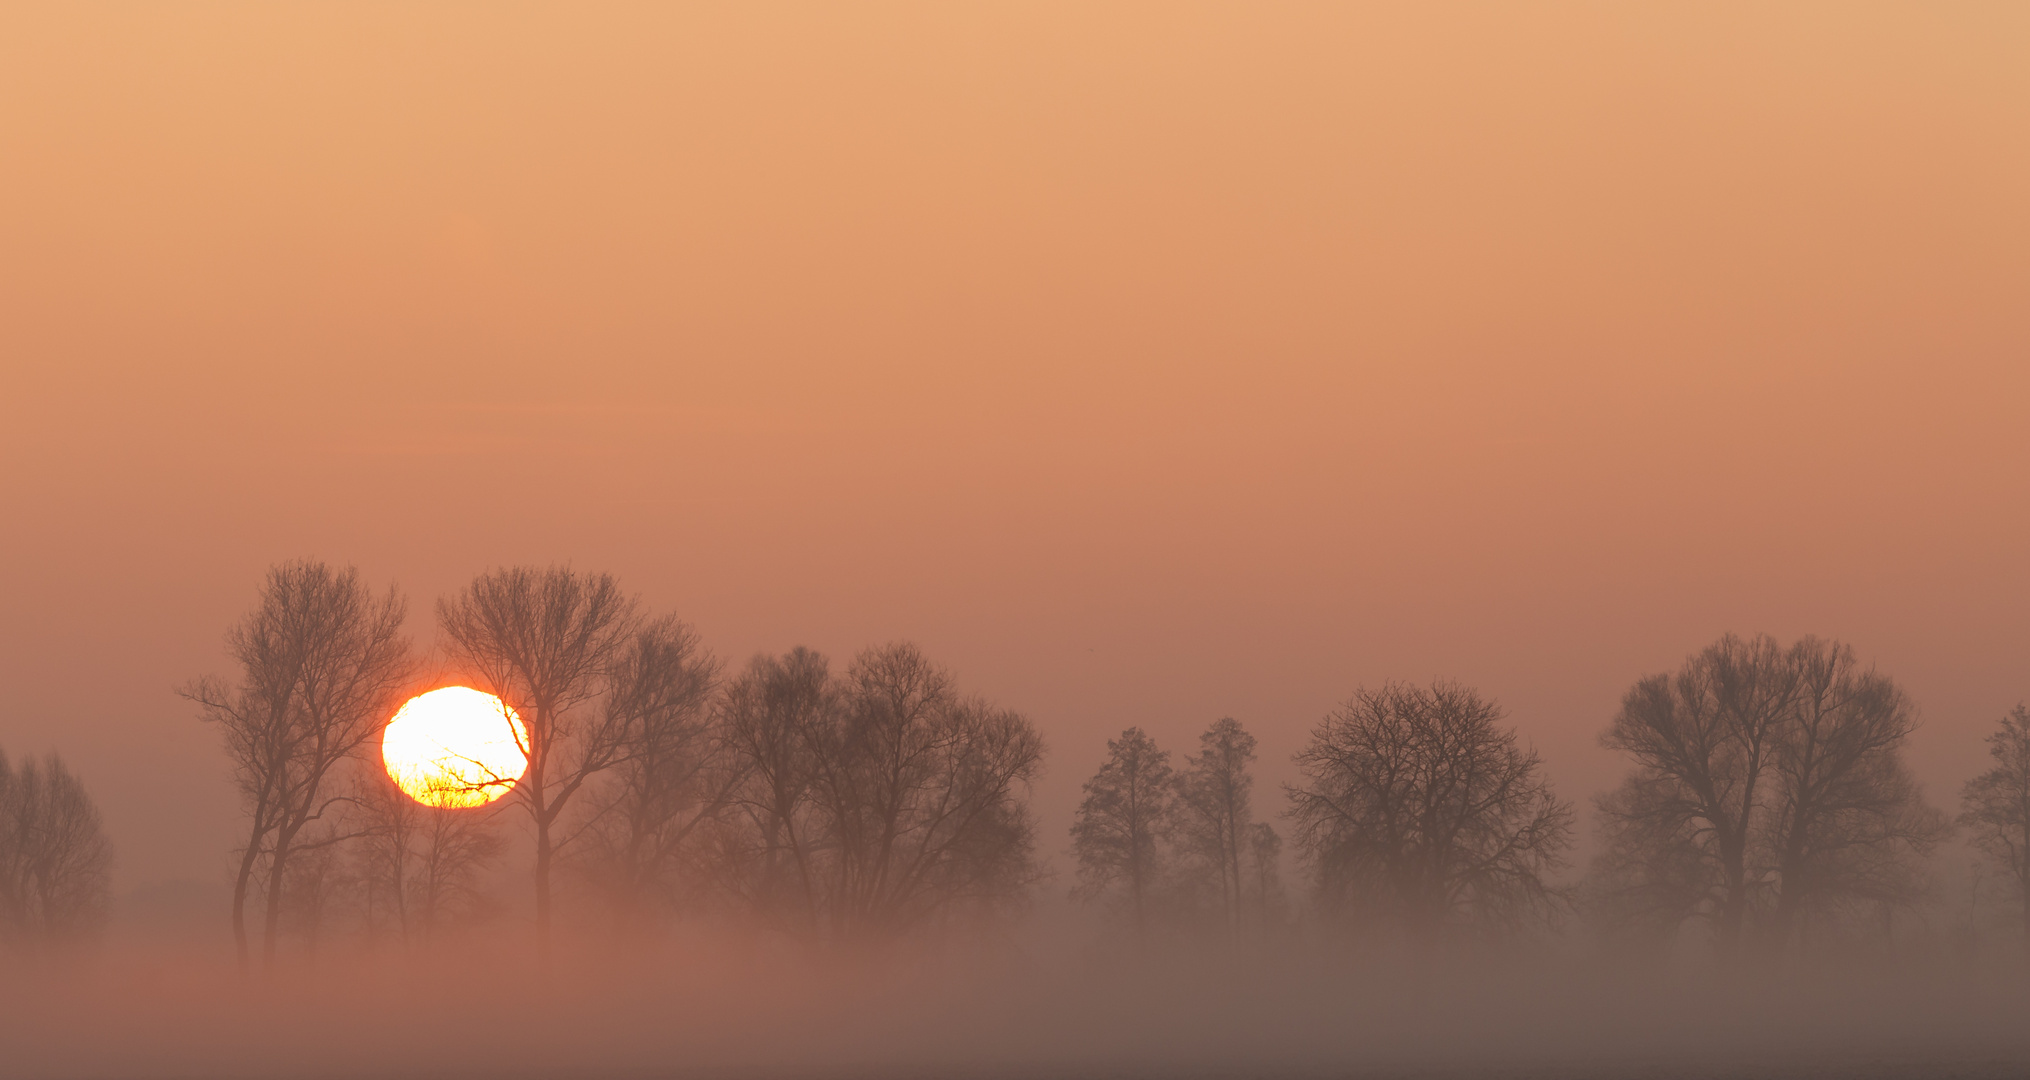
(1064, 1000)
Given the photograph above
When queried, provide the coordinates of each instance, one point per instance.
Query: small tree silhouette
(1117, 836)
(55, 859)
(1213, 811)
(1995, 807)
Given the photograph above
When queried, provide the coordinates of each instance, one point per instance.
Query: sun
(455, 746)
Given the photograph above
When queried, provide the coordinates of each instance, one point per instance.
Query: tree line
(876, 799)
(1767, 800)
(1767, 792)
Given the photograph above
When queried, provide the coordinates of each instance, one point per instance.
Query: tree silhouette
(923, 791)
(55, 859)
(1850, 823)
(878, 802)
(322, 665)
(657, 805)
(1995, 806)
(549, 642)
(1769, 784)
(1703, 741)
(1117, 834)
(1417, 810)
(1213, 811)
(774, 716)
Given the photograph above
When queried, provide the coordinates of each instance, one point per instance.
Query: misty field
(1065, 539)
(711, 1013)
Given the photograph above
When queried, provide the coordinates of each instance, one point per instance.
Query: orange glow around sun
(454, 747)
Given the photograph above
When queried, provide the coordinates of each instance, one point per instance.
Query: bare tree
(1995, 806)
(1417, 809)
(882, 801)
(654, 811)
(1850, 825)
(1117, 835)
(1769, 785)
(55, 859)
(1213, 810)
(774, 715)
(548, 643)
(922, 791)
(1703, 741)
(322, 664)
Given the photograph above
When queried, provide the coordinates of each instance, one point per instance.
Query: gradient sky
(1145, 363)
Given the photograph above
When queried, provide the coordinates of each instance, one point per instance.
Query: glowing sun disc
(455, 747)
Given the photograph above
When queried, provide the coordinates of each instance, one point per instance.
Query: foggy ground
(1057, 995)
(720, 1007)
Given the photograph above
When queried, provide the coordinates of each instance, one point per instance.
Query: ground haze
(1141, 365)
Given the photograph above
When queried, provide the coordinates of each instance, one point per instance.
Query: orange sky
(1145, 364)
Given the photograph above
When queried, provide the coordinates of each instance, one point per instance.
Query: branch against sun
(547, 642)
(455, 747)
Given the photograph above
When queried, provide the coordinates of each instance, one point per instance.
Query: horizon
(1143, 365)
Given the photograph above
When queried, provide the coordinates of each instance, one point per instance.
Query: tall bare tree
(1117, 836)
(548, 642)
(1703, 741)
(923, 793)
(1417, 809)
(1995, 806)
(1850, 823)
(55, 858)
(656, 807)
(323, 662)
(776, 716)
(1769, 787)
(1213, 810)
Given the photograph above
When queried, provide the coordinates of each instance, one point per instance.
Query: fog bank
(735, 1009)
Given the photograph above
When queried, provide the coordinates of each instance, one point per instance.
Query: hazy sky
(1144, 363)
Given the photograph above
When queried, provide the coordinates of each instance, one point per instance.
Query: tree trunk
(543, 890)
(1135, 893)
(1788, 900)
(241, 883)
(1734, 849)
(1734, 908)
(272, 926)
